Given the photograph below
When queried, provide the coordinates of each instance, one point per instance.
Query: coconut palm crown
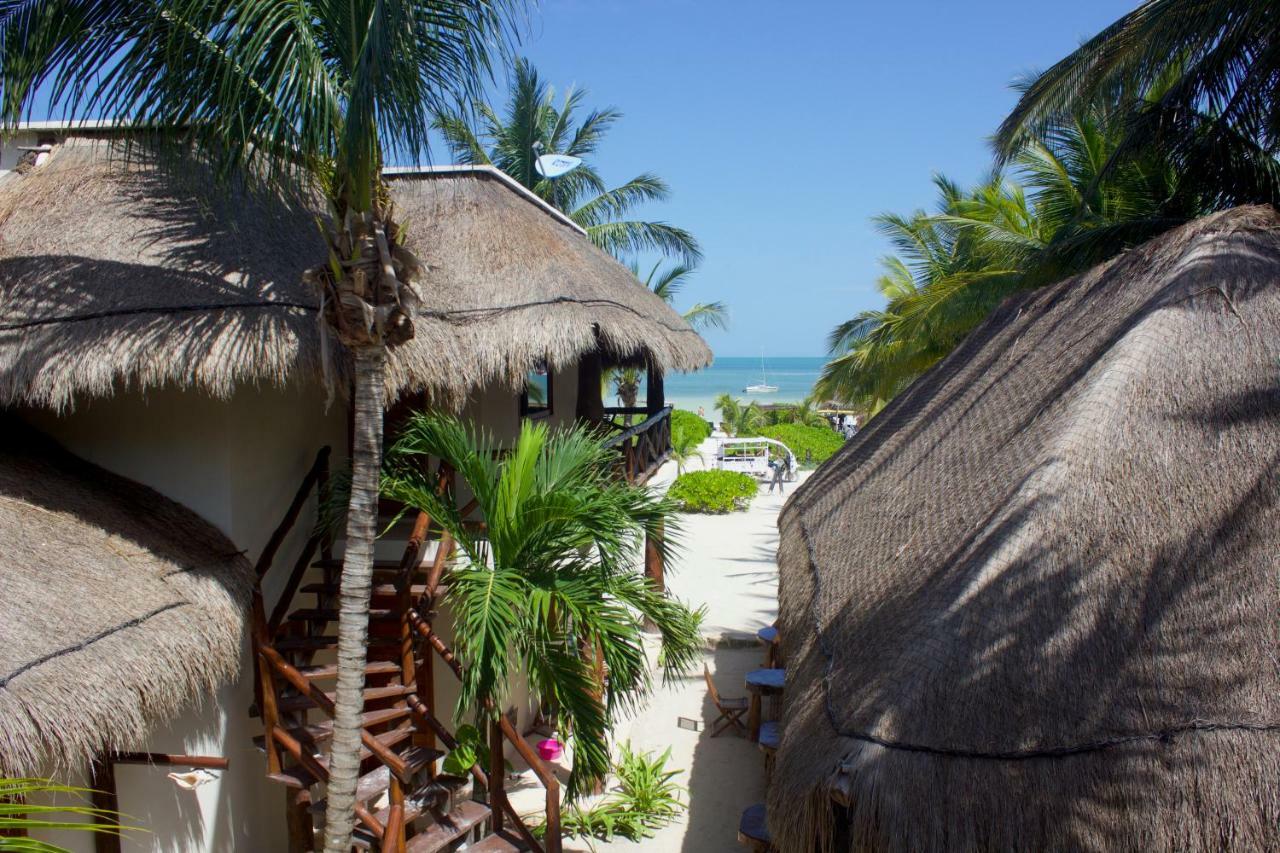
(552, 588)
(531, 123)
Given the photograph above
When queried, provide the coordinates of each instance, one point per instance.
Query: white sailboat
(763, 387)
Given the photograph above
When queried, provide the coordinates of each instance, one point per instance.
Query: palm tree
(1205, 71)
(1070, 204)
(531, 123)
(555, 574)
(668, 281)
(737, 419)
(292, 93)
(684, 448)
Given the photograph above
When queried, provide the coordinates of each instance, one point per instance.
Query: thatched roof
(1035, 604)
(119, 607)
(123, 274)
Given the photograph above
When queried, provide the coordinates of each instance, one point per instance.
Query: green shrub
(821, 442)
(713, 491)
(695, 428)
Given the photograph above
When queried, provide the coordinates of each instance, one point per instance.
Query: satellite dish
(555, 165)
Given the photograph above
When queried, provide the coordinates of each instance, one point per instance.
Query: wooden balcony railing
(642, 448)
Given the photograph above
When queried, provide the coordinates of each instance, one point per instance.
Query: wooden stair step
(330, 670)
(456, 824)
(442, 789)
(302, 702)
(316, 735)
(293, 777)
(323, 730)
(505, 841)
(324, 641)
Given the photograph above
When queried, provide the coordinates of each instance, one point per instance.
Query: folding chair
(731, 710)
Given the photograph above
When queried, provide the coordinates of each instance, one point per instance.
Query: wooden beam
(590, 406)
(656, 396)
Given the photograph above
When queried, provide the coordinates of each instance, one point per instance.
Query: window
(536, 399)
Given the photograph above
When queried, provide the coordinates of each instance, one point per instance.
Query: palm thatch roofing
(1035, 604)
(116, 272)
(119, 607)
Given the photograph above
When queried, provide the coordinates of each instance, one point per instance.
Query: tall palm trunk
(357, 584)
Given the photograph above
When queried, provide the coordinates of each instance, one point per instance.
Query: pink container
(549, 749)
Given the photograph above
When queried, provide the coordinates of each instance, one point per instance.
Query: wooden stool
(753, 829)
(770, 637)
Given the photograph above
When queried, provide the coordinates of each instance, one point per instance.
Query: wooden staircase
(403, 804)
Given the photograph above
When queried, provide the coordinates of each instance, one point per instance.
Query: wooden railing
(642, 448)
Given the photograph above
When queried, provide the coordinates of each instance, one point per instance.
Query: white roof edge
(73, 124)
(512, 183)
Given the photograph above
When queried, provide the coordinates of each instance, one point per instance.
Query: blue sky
(784, 127)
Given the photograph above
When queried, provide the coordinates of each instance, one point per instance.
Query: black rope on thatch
(1163, 736)
(83, 644)
(484, 313)
(125, 312)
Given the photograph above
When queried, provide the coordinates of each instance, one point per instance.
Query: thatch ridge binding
(119, 273)
(120, 608)
(955, 583)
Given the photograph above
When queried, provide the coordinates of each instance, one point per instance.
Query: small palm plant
(19, 815)
(684, 448)
(554, 580)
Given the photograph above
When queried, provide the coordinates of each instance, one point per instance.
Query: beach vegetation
(684, 447)
(697, 429)
(646, 798)
(668, 280)
(713, 491)
(551, 588)
(812, 445)
(737, 419)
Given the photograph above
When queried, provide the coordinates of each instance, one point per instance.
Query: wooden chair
(731, 710)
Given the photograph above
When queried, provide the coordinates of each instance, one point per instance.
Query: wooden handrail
(319, 470)
(291, 586)
(645, 425)
(304, 685)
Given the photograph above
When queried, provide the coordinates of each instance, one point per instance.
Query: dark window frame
(543, 410)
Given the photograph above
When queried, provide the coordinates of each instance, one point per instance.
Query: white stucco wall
(237, 463)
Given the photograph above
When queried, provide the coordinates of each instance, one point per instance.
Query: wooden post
(590, 406)
(656, 396)
(104, 797)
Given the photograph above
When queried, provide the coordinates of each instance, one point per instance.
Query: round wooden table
(761, 682)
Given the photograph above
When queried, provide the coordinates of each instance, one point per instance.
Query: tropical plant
(552, 581)
(531, 123)
(1068, 204)
(18, 814)
(1206, 71)
(684, 447)
(810, 444)
(315, 94)
(647, 798)
(737, 419)
(668, 281)
(626, 384)
(713, 491)
(695, 427)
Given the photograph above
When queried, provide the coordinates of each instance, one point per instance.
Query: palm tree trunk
(353, 614)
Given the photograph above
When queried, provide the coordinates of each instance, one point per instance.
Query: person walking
(779, 467)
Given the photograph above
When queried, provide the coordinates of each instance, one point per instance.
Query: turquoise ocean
(794, 377)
